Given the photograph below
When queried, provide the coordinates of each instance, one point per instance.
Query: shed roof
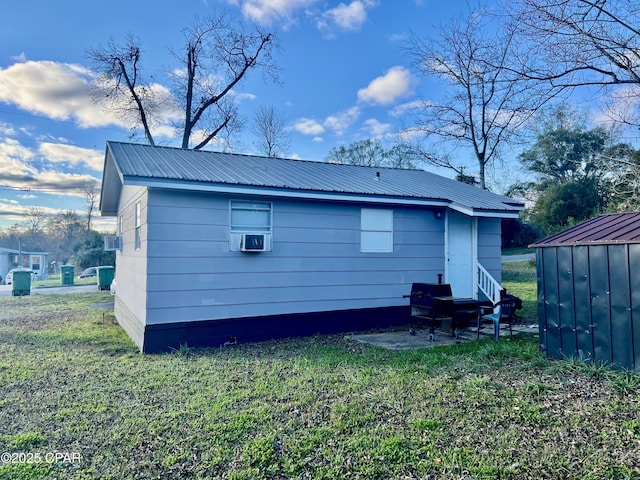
(604, 229)
(166, 167)
(12, 251)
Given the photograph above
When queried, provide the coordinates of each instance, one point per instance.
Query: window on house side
(376, 230)
(137, 225)
(250, 217)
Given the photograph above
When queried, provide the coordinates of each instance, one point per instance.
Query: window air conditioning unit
(253, 242)
(112, 243)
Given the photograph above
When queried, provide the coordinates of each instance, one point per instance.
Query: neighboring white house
(219, 247)
(36, 261)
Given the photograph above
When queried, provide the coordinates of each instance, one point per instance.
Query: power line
(49, 189)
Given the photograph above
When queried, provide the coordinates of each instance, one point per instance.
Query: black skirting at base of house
(215, 333)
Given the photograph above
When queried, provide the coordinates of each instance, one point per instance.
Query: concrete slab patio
(403, 340)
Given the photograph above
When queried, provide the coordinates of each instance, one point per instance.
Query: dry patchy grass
(311, 408)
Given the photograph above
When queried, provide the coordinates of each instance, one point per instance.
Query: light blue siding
(489, 246)
(131, 266)
(315, 263)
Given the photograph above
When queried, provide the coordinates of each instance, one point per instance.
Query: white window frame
(137, 224)
(376, 230)
(237, 230)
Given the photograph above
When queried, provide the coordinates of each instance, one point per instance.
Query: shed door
(460, 254)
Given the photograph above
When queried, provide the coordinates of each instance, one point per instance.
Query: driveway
(5, 290)
(518, 258)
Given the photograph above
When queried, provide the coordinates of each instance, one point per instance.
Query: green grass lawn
(77, 401)
(519, 278)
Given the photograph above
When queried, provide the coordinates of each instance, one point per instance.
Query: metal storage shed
(589, 291)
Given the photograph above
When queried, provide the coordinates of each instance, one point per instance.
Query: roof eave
(315, 195)
(583, 243)
(111, 186)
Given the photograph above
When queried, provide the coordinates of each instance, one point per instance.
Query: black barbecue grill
(435, 304)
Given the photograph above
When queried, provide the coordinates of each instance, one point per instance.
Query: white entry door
(461, 245)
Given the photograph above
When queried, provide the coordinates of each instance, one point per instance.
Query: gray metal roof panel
(174, 164)
(604, 229)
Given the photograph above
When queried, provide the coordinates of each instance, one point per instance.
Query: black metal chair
(502, 312)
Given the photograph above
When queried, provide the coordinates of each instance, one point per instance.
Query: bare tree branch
(486, 103)
(579, 43)
(269, 127)
(92, 194)
(120, 68)
(216, 58)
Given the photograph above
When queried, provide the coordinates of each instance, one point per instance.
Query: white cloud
(58, 152)
(219, 143)
(63, 91)
(271, 11)
(398, 37)
(244, 96)
(57, 90)
(407, 107)
(15, 212)
(22, 57)
(18, 170)
(620, 107)
(411, 135)
(340, 122)
(11, 150)
(308, 126)
(386, 89)
(345, 17)
(376, 128)
(7, 129)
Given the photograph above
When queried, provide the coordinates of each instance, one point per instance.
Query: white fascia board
(477, 212)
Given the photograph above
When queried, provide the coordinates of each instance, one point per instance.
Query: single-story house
(218, 248)
(36, 261)
(589, 291)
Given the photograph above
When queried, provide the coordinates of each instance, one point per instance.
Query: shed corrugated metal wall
(589, 302)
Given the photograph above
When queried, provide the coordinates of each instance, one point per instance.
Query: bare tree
(371, 153)
(36, 221)
(216, 57)
(64, 230)
(272, 138)
(366, 153)
(578, 43)
(485, 103)
(92, 194)
(625, 186)
(122, 87)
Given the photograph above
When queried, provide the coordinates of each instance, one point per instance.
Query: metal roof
(604, 229)
(167, 167)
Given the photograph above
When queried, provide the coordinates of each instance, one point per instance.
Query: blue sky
(345, 77)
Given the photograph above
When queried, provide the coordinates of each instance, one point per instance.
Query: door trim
(474, 251)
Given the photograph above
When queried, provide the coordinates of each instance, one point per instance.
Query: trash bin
(66, 274)
(105, 276)
(21, 283)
